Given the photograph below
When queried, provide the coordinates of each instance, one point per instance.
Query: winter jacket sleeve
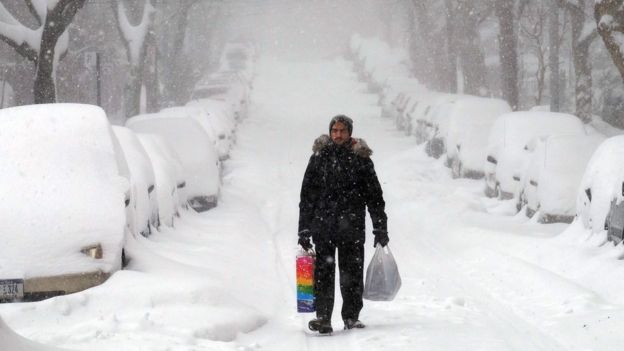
(309, 196)
(374, 197)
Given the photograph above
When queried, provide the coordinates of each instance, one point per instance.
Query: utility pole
(553, 40)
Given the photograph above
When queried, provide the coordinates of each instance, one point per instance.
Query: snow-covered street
(474, 277)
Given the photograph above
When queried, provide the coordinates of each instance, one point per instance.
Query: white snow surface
(57, 197)
(473, 279)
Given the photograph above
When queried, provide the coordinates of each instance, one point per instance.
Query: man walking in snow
(339, 184)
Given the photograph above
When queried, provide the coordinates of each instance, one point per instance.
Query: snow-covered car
(470, 120)
(238, 57)
(549, 186)
(400, 114)
(416, 118)
(167, 173)
(62, 200)
(142, 182)
(438, 122)
(506, 158)
(216, 116)
(599, 197)
(422, 121)
(195, 150)
(227, 87)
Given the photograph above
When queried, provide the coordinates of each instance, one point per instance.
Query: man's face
(339, 133)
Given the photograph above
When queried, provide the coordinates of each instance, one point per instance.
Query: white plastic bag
(382, 276)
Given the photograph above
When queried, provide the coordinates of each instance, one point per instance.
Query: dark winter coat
(339, 183)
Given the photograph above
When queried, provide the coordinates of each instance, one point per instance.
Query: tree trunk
(508, 51)
(56, 21)
(582, 64)
(136, 60)
(434, 53)
(553, 39)
(471, 57)
(132, 96)
(451, 48)
(150, 73)
(176, 90)
(45, 88)
(610, 27)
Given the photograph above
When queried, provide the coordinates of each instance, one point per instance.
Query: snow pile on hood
(57, 197)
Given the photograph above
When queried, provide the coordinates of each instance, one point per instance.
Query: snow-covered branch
(134, 35)
(24, 40)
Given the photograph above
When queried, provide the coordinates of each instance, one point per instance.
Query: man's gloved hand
(381, 237)
(304, 240)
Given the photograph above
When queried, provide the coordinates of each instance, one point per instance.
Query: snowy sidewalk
(225, 279)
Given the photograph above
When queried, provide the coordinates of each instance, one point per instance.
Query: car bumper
(40, 288)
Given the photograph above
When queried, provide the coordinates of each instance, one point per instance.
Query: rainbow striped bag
(305, 282)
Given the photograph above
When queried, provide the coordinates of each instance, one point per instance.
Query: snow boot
(353, 324)
(323, 326)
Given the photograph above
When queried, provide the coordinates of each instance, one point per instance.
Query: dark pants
(351, 267)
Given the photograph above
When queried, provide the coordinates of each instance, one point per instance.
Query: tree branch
(23, 49)
(33, 10)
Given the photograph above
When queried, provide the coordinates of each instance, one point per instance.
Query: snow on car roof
(60, 190)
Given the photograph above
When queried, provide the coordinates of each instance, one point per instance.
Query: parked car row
(524, 156)
(74, 187)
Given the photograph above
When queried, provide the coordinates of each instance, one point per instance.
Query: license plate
(11, 289)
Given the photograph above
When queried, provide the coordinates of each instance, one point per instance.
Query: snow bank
(11, 341)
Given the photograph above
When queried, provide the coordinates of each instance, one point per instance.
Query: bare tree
(46, 44)
(425, 41)
(508, 52)
(176, 69)
(583, 34)
(468, 17)
(135, 37)
(609, 16)
(532, 27)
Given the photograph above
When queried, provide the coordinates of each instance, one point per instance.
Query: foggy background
(457, 46)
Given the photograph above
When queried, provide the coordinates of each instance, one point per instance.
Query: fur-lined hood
(358, 145)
